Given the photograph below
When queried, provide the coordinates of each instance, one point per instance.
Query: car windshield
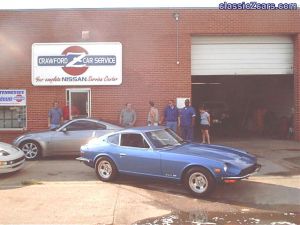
(164, 138)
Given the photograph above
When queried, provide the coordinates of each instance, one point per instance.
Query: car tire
(106, 169)
(199, 181)
(31, 149)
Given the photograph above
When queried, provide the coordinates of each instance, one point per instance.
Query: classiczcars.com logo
(75, 60)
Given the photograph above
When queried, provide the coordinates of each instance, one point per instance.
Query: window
(13, 109)
(83, 125)
(99, 126)
(12, 117)
(114, 139)
(164, 138)
(133, 140)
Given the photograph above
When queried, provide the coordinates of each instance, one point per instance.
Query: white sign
(11, 97)
(180, 102)
(95, 63)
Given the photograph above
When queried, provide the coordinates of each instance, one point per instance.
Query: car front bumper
(82, 159)
(13, 165)
(247, 173)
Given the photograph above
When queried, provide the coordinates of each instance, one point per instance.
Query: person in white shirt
(204, 125)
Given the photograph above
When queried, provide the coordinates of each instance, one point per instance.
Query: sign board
(94, 63)
(12, 97)
(180, 102)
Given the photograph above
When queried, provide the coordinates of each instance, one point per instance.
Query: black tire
(31, 149)
(199, 181)
(106, 169)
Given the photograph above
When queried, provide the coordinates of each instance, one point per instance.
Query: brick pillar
(297, 86)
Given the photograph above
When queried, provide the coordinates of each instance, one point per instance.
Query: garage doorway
(246, 82)
(78, 103)
(235, 103)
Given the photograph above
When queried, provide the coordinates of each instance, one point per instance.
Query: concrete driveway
(64, 191)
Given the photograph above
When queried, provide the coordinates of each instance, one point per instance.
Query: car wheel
(199, 181)
(106, 169)
(31, 149)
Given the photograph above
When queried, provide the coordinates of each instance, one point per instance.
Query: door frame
(69, 91)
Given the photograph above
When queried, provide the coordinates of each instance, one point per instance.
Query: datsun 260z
(159, 152)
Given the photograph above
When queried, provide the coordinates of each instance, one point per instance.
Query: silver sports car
(64, 140)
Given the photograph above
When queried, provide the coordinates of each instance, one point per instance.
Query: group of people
(173, 118)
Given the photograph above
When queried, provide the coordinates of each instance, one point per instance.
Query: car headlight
(4, 153)
(225, 167)
(3, 163)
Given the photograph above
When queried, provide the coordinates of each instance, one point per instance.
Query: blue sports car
(159, 152)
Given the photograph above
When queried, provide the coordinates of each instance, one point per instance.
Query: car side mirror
(64, 130)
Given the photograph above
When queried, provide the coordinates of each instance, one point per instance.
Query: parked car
(64, 140)
(158, 152)
(11, 158)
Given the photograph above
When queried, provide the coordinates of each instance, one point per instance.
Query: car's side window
(114, 139)
(81, 125)
(99, 126)
(133, 140)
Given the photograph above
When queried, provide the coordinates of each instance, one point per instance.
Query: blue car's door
(134, 155)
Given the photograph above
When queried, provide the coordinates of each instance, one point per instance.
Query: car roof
(96, 120)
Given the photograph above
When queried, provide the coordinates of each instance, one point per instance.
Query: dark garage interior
(246, 106)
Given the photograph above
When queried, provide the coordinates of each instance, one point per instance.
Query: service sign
(94, 63)
(12, 97)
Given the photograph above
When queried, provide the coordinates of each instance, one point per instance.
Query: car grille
(249, 170)
(15, 161)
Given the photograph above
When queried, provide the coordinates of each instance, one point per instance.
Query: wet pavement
(213, 218)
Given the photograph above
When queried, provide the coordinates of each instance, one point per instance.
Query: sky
(70, 4)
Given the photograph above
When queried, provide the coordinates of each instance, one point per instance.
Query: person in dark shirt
(187, 121)
(170, 116)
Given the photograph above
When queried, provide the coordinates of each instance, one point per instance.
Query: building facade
(163, 57)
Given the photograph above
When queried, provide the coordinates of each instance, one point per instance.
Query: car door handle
(122, 154)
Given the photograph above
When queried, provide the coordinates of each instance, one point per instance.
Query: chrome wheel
(31, 150)
(105, 169)
(198, 182)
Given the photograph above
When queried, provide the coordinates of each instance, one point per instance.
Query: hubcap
(104, 169)
(198, 182)
(30, 150)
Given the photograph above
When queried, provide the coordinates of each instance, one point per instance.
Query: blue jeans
(172, 125)
(187, 133)
(53, 126)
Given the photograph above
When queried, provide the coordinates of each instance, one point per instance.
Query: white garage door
(242, 55)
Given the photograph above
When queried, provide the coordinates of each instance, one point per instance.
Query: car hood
(215, 152)
(11, 150)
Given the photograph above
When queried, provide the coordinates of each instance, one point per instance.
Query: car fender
(103, 155)
(187, 167)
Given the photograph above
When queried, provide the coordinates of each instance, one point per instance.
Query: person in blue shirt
(170, 116)
(187, 121)
(55, 116)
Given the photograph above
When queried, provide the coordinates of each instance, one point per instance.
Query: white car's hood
(11, 150)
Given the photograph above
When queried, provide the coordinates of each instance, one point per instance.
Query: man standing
(171, 116)
(187, 121)
(55, 116)
(128, 116)
(153, 117)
